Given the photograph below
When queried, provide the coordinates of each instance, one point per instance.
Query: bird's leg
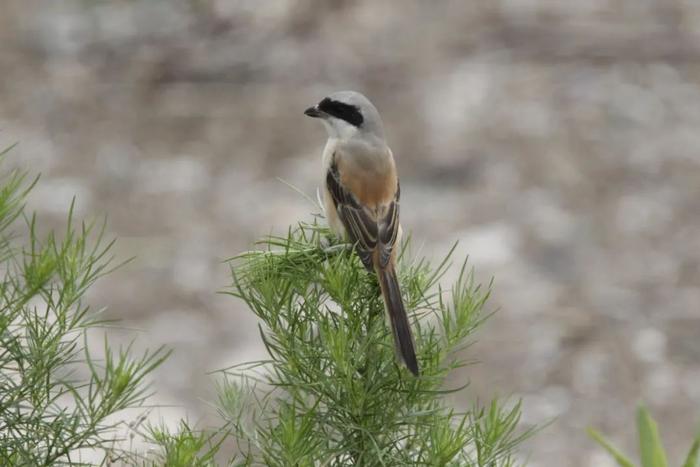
(325, 242)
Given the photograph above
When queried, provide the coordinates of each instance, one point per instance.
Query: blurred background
(558, 141)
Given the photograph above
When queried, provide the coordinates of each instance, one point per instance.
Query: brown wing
(365, 229)
(389, 229)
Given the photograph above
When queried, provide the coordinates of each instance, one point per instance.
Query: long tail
(397, 315)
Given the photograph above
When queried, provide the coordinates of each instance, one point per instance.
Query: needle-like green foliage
(651, 448)
(56, 398)
(331, 391)
(185, 446)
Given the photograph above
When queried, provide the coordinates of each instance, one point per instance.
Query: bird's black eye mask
(341, 110)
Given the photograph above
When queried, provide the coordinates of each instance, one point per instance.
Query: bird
(361, 199)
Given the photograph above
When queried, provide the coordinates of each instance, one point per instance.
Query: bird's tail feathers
(397, 315)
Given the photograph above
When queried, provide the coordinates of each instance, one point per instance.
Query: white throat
(339, 129)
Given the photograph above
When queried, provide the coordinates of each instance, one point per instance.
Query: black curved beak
(313, 112)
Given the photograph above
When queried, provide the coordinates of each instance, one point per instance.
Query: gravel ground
(557, 141)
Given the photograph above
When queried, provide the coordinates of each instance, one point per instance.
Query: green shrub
(331, 391)
(57, 401)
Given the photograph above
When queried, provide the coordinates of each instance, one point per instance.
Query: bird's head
(348, 114)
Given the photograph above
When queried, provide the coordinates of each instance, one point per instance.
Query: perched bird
(361, 198)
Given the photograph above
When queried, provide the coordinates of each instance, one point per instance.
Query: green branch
(331, 391)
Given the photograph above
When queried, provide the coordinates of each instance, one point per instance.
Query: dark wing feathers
(389, 231)
(362, 225)
(389, 228)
